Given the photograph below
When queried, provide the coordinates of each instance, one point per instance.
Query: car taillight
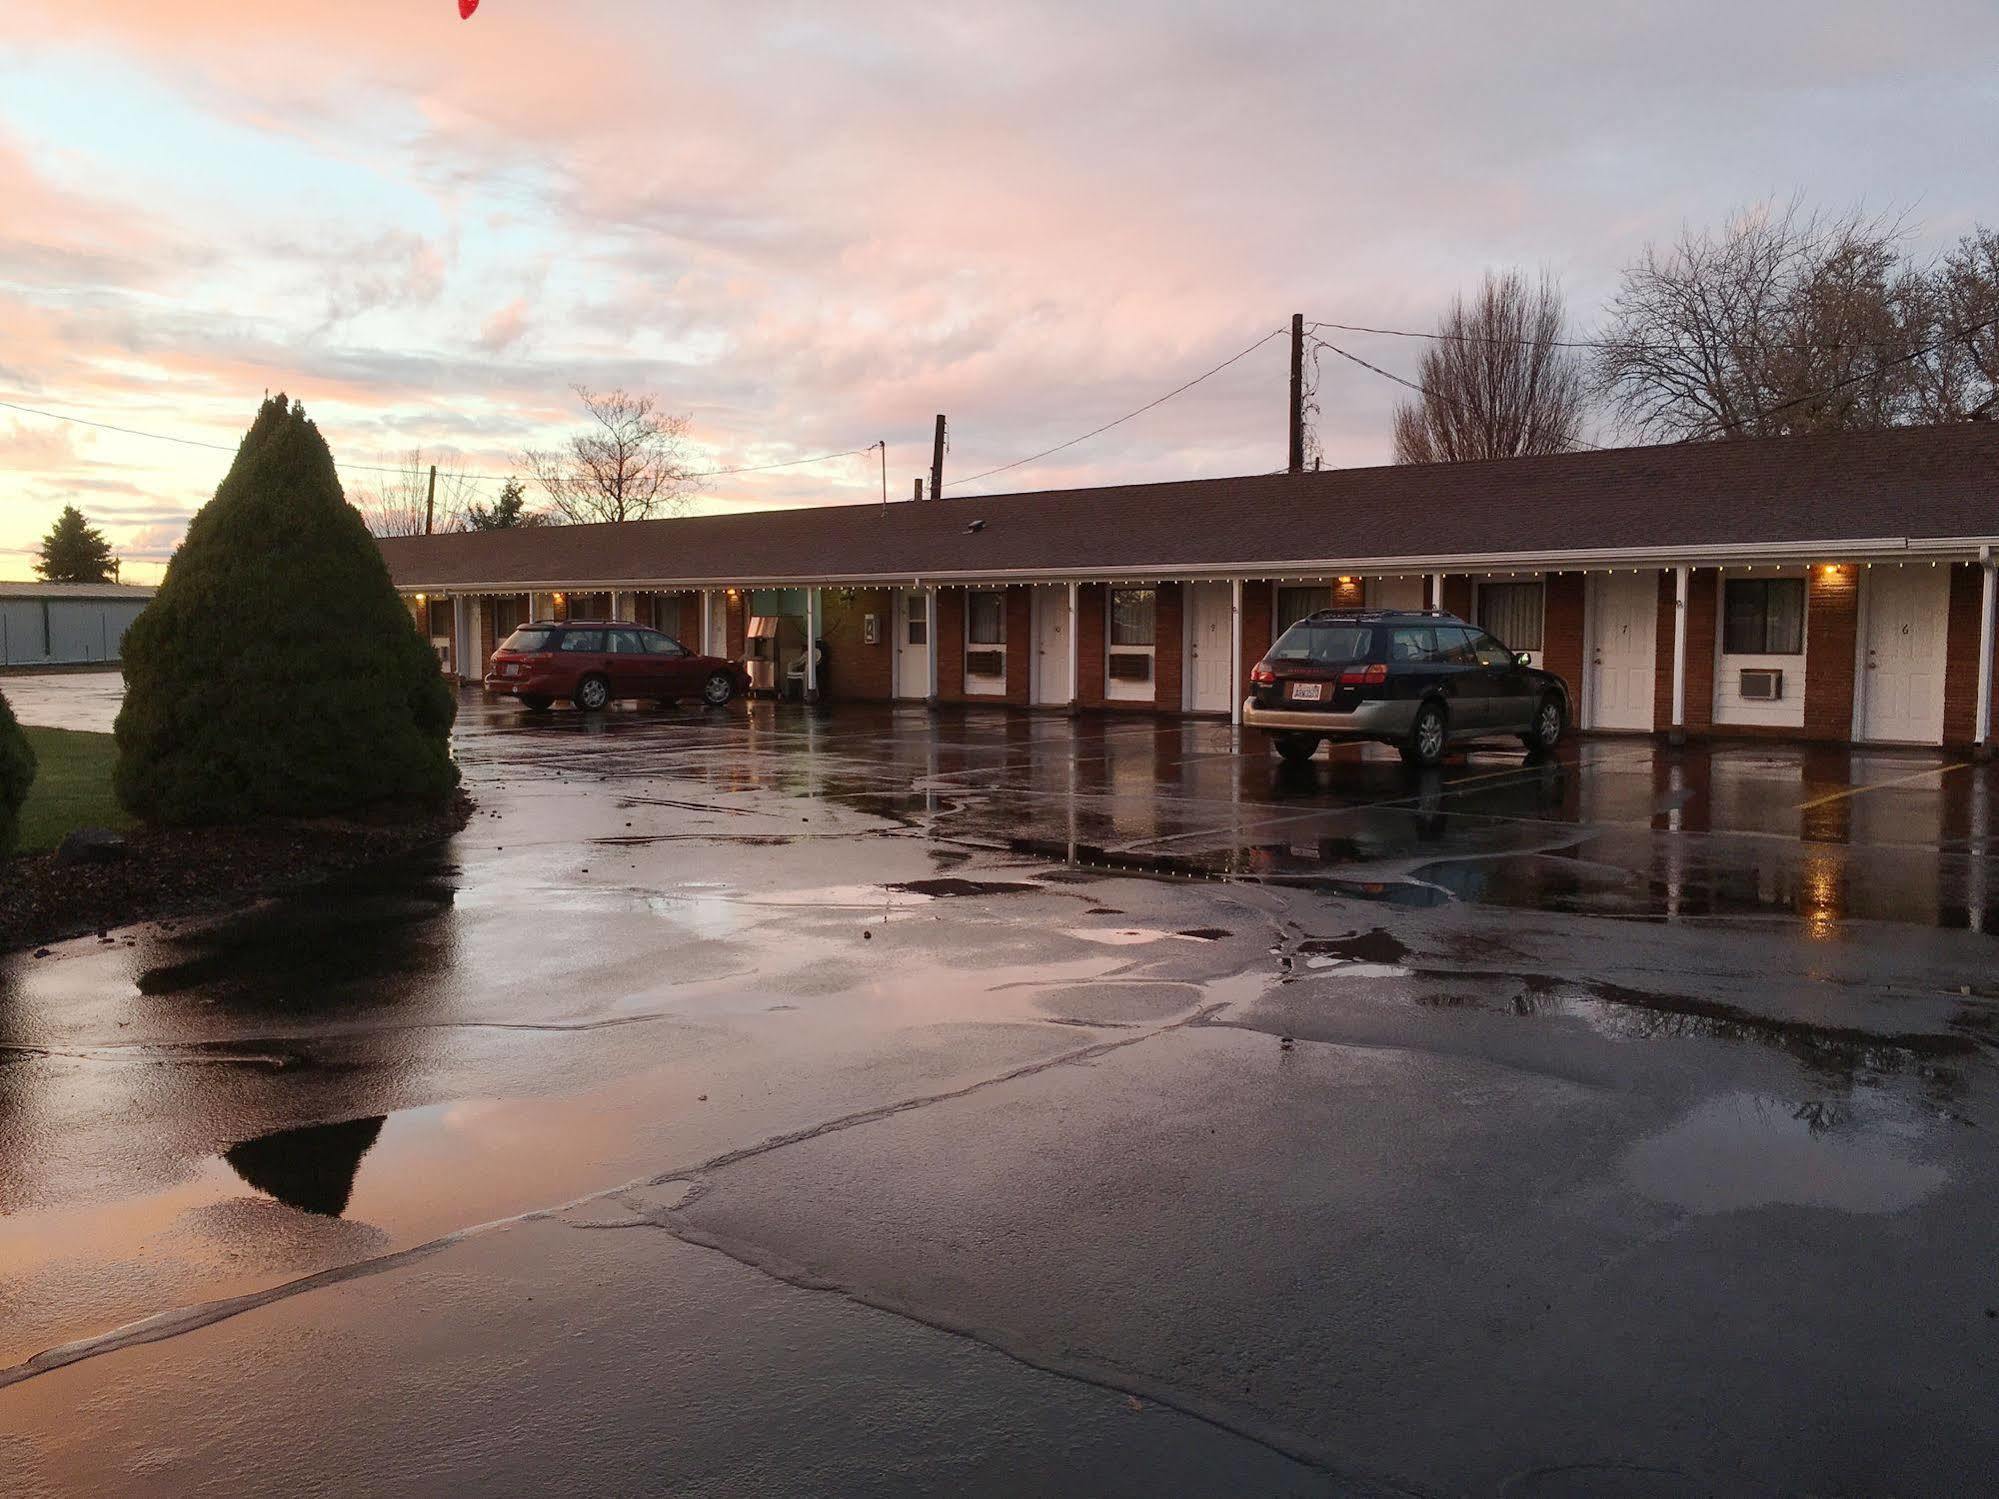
(1364, 676)
(1262, 675)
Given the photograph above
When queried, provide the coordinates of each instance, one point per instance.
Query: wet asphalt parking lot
(867, 1102)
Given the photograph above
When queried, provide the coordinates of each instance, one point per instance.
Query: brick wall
(1092, 620)
(1662, 658)
(1019, 645)
(1458, 594)
(1258, 615)
(1562, 633)
(1168, 642)
(857, 671)
(738, 629)
(1960, 682)
(1703, 613)
(948, 640)
(1349, 593)
(687, 629)
(1831, 619)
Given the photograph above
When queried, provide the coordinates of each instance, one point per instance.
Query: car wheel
(1548, 725)
(592, 693)
(535, 702)
(1296, 749)
(1427, 737)
(717, 690)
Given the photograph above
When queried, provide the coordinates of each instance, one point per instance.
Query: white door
(1051, 644)
(912, 643)
(1623, 644)
(1208, 634)
(1902, 660)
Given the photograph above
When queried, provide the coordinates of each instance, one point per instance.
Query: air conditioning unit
(985, 663)
(1762, 684)
(1130, 666)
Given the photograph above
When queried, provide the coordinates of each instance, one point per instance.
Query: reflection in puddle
(1744, 1150)
(311, 1168)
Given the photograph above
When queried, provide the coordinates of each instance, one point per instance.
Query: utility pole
(430, 502)
(937, 461)
(919, 489)
(1297, 392)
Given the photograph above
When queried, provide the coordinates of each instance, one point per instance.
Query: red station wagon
(592, 661)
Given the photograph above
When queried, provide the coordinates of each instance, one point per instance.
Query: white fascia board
(1847, 549)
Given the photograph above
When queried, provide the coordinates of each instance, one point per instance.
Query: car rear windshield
(1323, 644)
(528, 638)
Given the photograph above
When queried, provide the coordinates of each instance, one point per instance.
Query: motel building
(1834, 589)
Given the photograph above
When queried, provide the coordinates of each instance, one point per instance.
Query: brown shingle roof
(1915, 483)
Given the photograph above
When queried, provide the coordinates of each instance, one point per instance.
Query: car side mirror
(1523, 658)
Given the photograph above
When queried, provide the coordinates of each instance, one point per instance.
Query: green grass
(72, 787)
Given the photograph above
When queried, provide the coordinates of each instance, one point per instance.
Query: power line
(1485, 338)
(376, 468)
(1099, 431)
(1421, 390)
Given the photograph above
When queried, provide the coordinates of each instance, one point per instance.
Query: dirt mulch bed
(175, 872)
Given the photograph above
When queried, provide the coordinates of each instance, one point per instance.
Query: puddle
(1205, 933)
(1353, 968)
(1135, 936)
(1377, 946)
(311, 1168)
(945, 886)
(1746, 1150)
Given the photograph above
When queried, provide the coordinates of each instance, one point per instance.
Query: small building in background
(66, 624)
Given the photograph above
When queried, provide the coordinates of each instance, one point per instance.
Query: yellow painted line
(1840, 796)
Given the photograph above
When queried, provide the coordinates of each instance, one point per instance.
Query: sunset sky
(812, 226)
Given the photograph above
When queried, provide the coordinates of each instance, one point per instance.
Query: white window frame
(1788, 712)
(983, 684)
(1117, 689)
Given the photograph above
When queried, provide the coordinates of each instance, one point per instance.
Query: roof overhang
(1595, 559)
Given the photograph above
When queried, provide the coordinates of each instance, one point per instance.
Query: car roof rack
(1349, 613)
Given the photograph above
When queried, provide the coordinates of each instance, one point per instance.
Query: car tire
(536, 703)
(1428, 736)
(1295, 749)
(718, 690)
(1549, 724)
(592, 693)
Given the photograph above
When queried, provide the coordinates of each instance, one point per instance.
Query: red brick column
(1168, 636)
(737, 627)
(1562, 633)
(1458, 594)
(1258, 615)
(1662, 654)
(1960, 681)
(688, 631)
(1019, 645)
(1349, 593)
(949, 644)
(1092, 620)
(1832, 600)
(1703, 610)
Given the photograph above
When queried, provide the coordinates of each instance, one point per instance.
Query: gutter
(1891, 548)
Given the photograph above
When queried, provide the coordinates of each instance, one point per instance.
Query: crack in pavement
(180, 1320)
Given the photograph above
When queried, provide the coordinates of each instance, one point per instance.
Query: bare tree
(395, 501)
(630, 463)
(1949, 312)
(1498, 382)
(1781, 322)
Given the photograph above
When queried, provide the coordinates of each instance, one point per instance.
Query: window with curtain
(1294, 603)
(985, 617)
(1132, 611)
(1512, 613)
(1764, 617)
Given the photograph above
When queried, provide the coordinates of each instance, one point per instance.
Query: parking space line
(1840, 796)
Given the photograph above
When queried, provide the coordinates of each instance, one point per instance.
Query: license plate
(1305, 692)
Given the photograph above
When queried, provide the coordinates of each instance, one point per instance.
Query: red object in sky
(465, 9)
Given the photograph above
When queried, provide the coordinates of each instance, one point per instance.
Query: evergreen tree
(276, 671)
(17, 774)
(75, 551)
(505, 513)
